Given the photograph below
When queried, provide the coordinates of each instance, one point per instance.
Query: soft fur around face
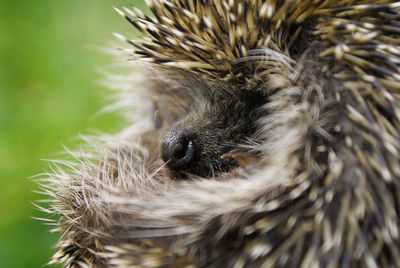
(318, 117)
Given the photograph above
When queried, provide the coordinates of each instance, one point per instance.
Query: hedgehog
(263, 133)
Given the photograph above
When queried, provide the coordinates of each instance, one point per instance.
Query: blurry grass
(48, 95)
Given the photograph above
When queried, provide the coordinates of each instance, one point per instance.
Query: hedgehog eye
(160, 117)
(156, 117)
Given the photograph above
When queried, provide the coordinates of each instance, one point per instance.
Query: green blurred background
(50, 56)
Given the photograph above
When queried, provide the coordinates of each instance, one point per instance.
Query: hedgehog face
(218, 121)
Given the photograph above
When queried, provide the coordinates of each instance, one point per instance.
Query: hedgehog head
(229, 58)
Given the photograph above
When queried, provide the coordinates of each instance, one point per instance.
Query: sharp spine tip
(120, 37)
(130, 12)
(119, 12)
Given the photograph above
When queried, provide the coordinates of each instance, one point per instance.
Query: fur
(323, 188)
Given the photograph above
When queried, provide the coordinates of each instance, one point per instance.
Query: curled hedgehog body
(266, 135)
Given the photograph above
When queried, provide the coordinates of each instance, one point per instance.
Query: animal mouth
(244, 158)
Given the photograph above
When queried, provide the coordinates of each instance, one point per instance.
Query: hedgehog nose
(178, 148)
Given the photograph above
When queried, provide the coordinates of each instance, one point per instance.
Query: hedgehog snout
(179, 148)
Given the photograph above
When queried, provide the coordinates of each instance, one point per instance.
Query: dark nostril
(178, 148)
(182, 152)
